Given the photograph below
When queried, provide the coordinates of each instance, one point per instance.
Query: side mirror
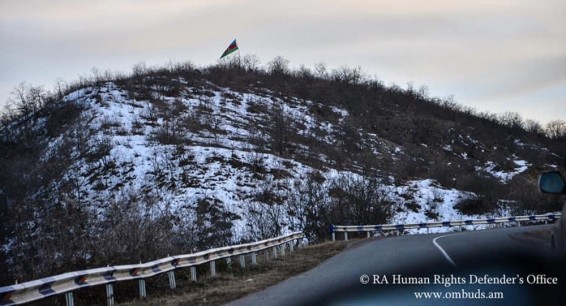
(552, 182)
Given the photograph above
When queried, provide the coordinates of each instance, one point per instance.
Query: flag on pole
(231, 48)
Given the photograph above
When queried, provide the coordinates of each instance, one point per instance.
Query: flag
(231, 48)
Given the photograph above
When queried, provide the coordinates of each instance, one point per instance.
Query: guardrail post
(242, 261)
(254, 259)
(345, 236)
(213, 268)
(333, 231)
(291, 246)
(274, 252)
(143, 292)
(194, 274)
(229, 263)
(69, 299)
(109, 295)
(172, 282)
(368, 234)
(282, 247)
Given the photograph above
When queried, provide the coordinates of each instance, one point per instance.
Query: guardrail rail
(402, 227)
(68, 282)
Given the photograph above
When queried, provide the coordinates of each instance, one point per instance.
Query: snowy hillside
(174, 161)
(218, 161)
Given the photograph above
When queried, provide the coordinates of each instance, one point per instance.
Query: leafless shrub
(213, 224)
(307, 208)
(556, 129)
(347, 75)
(278, 66)
(134, 228)
(358, 201)
(251, 62)
(264, 220)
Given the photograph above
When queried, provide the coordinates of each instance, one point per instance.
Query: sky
(496, 56)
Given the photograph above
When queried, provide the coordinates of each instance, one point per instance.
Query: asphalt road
(408, 255)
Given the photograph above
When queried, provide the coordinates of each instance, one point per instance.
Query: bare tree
(278, 65)
(60, 88)
(533, 126)
(357, 200)
(511, 119)
(556, 129)
(320, 70)
(347, 75)
(307, 207)
(251, 62)
(264, 220)
(139, 69)
(279, 130)
(27, 99)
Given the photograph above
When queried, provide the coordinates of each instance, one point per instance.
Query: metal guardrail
(401, 227)
(68, 282)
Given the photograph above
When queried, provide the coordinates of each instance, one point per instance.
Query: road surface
(395, 255)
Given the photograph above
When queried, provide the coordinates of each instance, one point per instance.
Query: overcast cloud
(507, 55)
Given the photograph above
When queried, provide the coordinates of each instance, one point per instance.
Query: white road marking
(442, 250)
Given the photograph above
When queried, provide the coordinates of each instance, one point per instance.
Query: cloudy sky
(504, 55)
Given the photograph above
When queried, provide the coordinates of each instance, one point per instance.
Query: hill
(117, 169)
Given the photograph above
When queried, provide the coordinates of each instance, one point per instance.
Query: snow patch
(505, 176)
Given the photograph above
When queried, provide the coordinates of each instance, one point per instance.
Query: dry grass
(235, 282)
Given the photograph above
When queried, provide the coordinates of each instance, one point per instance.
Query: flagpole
(239, 62)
